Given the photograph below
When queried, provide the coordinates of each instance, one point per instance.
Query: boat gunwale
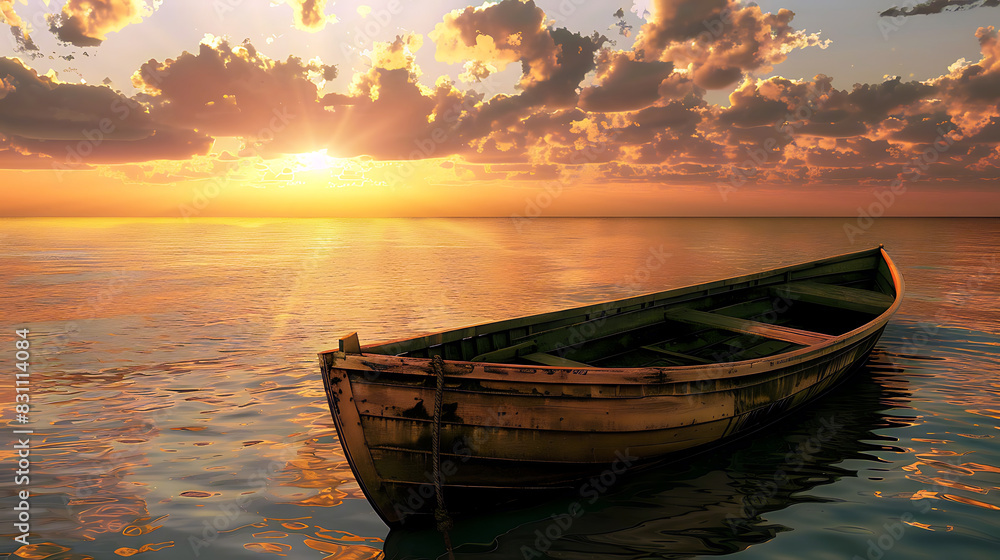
(504, 324)
(638, 375)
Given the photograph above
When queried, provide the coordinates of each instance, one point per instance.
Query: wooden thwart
(547, 359)
(745, 326)
(677, 355)
(841, 297)
(506, 354)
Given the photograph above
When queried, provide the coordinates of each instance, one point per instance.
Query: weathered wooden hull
(514, 427)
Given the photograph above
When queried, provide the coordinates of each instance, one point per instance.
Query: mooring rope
(444, 523)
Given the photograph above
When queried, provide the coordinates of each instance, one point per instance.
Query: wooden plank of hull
(480, 449)
(547, 412)
(841, 297)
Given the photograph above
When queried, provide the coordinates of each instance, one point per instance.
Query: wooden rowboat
(543, 402)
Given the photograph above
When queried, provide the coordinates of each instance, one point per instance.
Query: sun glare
(314, 161)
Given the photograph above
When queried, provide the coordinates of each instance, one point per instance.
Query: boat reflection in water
(713, 503)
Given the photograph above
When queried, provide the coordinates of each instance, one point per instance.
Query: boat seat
(841, 297)
(547, 359)
(677, 355)
(746, 326)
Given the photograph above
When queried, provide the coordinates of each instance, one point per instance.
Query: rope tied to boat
(444, 523)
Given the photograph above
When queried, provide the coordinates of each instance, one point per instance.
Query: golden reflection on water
(178, 395)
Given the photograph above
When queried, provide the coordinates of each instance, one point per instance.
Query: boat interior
(742, 318)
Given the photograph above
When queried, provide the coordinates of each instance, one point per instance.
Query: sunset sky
(205, 108)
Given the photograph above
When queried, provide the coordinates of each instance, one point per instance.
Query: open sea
(178, 412)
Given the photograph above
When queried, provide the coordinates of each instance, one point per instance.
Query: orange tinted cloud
(9, 16)
(85, 23)
(490, 37)
(227, 90)
(309, 14)
(718, 40)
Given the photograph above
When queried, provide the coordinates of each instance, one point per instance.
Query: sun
(314, 161)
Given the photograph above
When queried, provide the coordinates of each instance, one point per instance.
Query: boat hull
(507, 429)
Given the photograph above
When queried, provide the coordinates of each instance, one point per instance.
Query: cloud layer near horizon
(625, 115)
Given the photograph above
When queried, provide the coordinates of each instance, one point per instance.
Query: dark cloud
(938, 6)
(81, 123)
(161, 143)
(11, 157)
(989, 134)
(854, 152)
(873, 102)
(624, 84)
(624, 29)
(676, 117)
(978, 83)
(924, 128)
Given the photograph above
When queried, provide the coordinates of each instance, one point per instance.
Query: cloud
(389, 114)
(76, 123)
(86, 23)
(227, 90)
(11, 157)
(623, 83)
(8, 15)
(309, 14)
(977, 83)
(938, 6)
(490, 37)
(162, 143)
(17, 27)
(717, 41)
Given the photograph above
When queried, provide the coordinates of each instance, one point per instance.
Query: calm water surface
(179, 413)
